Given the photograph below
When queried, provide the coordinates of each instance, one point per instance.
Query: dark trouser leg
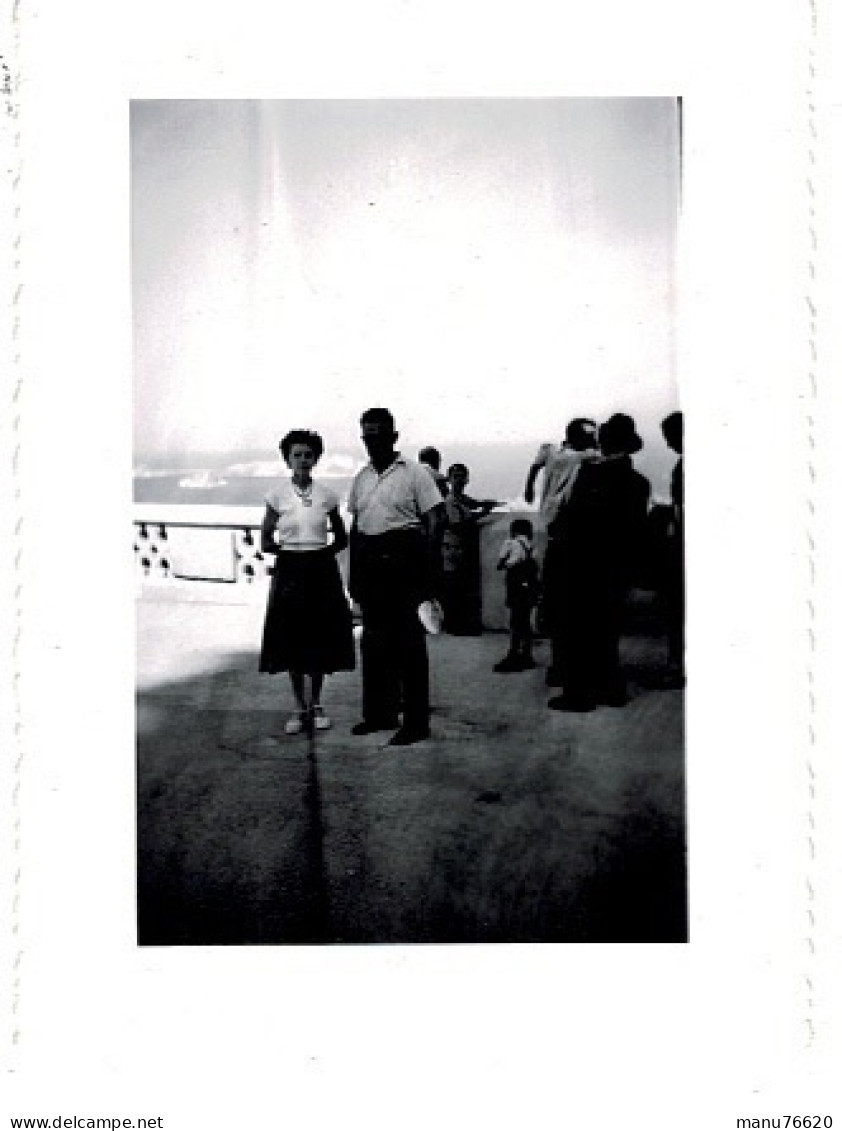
(395, 666)
(473, 594)
(462, 603)
(381, 683)
(576, 615)
(675, 640)
(410, 650)
(394, 648)
(675, 630)
(608, 681)
(674, 608)
(450, 600)
(521, 630)
(553, 613)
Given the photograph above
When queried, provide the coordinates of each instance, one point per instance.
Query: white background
(742, 1021)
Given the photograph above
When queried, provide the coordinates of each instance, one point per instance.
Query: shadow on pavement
(514, 824)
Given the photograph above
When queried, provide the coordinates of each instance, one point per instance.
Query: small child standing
(522, 588)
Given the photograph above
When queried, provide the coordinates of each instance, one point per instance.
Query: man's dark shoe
(509, 664)
(366, 727)
(570, 703)
(526, 663)
(406, 736)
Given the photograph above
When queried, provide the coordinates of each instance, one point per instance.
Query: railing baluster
(154, 557)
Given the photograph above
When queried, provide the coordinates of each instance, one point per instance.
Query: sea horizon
(243, 478)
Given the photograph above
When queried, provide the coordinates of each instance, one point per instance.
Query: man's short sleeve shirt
(560, 472)
(395, 500)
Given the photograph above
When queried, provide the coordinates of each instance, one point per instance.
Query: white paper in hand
(431, 616)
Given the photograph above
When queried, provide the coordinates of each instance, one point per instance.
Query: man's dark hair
(672, 427)
(432, 456)
(521, 526)
(301, 436)
(581, 433)
(378, 416)
(457, 467)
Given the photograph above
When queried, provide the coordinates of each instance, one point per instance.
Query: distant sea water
(242, 479)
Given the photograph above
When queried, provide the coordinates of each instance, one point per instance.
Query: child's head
(521, 526)
(458, 475)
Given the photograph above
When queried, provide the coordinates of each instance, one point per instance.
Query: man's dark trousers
(389, 584)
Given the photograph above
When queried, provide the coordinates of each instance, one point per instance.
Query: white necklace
(305, 494)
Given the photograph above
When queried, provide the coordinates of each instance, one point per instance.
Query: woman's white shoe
(320, 719)
(295, 724)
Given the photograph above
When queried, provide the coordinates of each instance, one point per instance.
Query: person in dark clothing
(396, 509)
(600, 535)
(672, 428)
(431, 459)
(560, 467)
(460, 556)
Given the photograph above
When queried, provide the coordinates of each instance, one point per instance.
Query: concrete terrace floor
(513, 823)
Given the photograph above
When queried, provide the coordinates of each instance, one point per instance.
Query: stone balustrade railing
(222, 544)
(199, 551)
(176, 544)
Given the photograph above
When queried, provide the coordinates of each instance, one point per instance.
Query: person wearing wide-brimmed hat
(603, 524)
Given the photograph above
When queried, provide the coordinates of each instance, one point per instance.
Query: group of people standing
(595, 505)
(414, 539)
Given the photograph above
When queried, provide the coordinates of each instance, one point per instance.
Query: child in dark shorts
(522, 588)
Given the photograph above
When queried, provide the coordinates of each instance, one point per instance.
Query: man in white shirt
(560, 467)
(396, 510)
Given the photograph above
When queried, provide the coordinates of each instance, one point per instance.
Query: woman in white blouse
(308, 630)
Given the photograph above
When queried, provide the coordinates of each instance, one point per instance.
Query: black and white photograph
(409, 521)
(401, 733)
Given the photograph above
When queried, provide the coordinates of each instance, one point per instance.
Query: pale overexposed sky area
(485, 267)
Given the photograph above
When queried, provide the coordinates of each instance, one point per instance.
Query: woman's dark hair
(457, 467)
(521, 526)
(301, 436)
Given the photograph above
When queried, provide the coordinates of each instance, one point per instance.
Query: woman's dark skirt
(308, 621)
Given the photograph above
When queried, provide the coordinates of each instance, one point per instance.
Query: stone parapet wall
(177, 544)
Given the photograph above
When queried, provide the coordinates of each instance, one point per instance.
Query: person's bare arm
(432, 523)
(268, 545)
(337, 527)
(480, 508)
(529, 489)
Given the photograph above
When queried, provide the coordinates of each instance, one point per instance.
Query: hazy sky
(486, 268)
